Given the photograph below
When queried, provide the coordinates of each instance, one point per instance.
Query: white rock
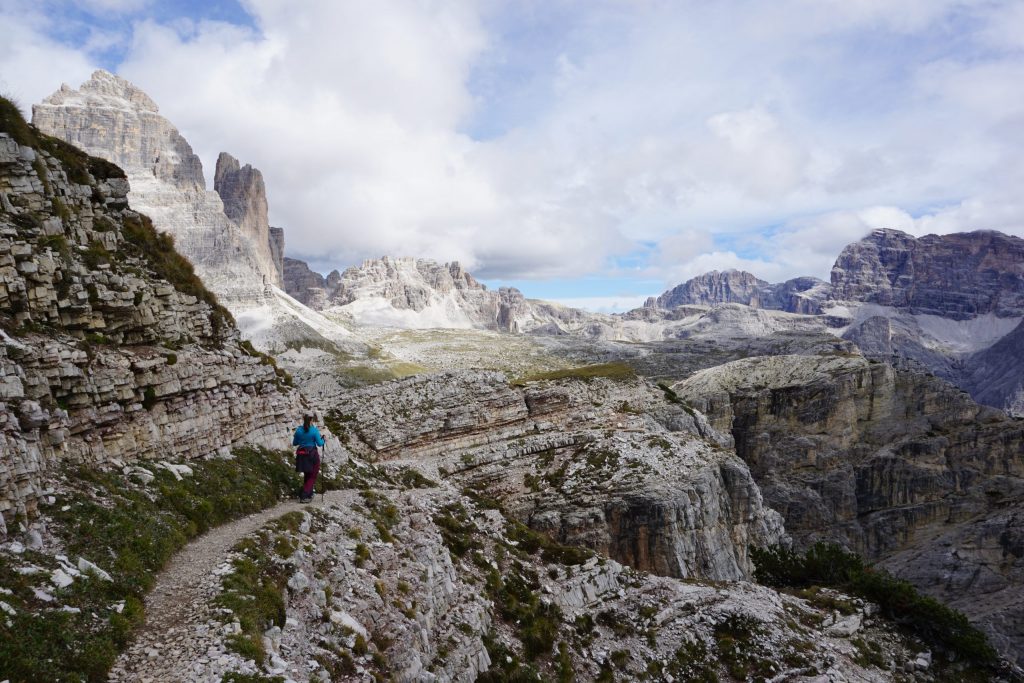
(179, 471)
(61, 579)
(342, 618)
(87, 567)
(34, 540)
(42, 595)
(844, 628)
(298, 582)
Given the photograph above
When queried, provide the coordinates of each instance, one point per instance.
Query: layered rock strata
(799, 295)
(883, 461)
(235, 257)
(101, 357)
(605, 464)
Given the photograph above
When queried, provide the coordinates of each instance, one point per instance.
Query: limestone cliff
(304, 285)
(885, 462)
(110, 118)
(421, 293)
(799, 295)
(112, 349)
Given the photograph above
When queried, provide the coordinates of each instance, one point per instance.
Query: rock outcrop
(419, 293)
(995, 376)
(884, 462)
(277, 252)
(244, 195)
(305, 285)
(110, 347)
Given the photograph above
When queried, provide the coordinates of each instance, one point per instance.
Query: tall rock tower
(245, 202)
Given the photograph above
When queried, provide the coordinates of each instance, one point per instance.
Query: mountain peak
(106, 89)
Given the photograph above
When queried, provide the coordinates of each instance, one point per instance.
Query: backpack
(305, 459)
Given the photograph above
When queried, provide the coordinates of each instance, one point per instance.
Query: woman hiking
(307, 456)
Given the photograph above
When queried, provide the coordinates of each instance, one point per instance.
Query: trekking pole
(323, 487)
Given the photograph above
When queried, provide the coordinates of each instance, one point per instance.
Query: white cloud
(604, 304)
(31, 64)
(662, 123)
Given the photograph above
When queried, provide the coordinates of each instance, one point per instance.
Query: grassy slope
(129, 530)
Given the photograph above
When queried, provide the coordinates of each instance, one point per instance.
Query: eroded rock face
(955, 276)
(882, 461)
(604, 464)
(304, 285)
(101, 358)
(995, 376)
(112, 119)
(277, 251)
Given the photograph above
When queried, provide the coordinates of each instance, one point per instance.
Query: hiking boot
(305, 499)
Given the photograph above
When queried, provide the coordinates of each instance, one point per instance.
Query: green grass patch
(616, 371)
(254, 591)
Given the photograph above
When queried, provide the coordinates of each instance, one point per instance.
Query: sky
(593, 153)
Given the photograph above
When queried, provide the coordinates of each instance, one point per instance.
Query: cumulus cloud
(541, 140)
(32, 64)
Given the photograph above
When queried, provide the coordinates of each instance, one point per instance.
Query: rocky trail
(181, 628)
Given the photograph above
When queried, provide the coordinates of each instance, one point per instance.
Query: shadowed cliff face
(606, 464)
(884, 462)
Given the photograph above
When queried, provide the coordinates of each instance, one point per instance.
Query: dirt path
(178, 640)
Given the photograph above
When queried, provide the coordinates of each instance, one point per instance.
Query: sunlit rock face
(606, 464)
(224, 232)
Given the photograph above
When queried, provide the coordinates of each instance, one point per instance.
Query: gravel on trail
(178, 641)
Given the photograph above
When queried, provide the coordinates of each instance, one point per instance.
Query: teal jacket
(308, 439)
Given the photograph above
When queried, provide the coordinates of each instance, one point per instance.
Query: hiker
(307, 457)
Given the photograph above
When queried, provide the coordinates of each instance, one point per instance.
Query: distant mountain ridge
(799, 295)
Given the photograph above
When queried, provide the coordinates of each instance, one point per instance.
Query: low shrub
(827, 564)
